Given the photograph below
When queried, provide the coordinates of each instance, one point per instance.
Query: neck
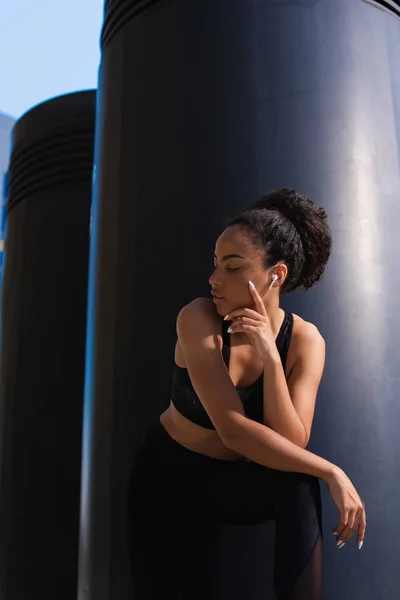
(274, 312)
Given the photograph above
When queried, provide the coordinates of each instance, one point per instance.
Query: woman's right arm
(197, 331)
(198, 328)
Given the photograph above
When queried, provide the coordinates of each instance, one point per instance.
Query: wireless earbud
(274, 278)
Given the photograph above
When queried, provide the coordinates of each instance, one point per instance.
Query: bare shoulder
(199, 305)
(305, 335)
(198, 323)
(198, 315)
(202, 308)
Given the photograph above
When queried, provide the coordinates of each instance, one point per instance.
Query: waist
(194, 437)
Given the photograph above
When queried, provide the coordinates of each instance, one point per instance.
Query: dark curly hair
(293, 230)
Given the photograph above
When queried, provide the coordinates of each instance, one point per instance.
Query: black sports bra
(188, 403)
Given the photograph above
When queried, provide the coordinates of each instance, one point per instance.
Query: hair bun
(310, 223)
(292, 205)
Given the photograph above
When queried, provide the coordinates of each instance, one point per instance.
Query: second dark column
(43, 327)
(204, 106)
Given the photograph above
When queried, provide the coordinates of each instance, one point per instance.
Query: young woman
(231, 446)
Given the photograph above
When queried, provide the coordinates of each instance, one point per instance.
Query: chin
(222, 309)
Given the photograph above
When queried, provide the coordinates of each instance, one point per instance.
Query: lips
(218, 296)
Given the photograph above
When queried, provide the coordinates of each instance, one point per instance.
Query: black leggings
(175, 496)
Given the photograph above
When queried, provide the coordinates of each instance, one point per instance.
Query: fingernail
(226, 318)
(341, 545)
(360, 545)
(229, 330)
(251, 284)
(334, 533)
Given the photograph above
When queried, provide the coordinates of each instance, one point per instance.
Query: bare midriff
(195, 438)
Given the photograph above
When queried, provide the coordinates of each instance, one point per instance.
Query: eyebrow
(228, 256)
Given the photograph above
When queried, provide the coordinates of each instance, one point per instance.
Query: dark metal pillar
(42, 348)
(204, 106)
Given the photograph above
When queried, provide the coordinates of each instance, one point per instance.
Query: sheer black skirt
(175, 496)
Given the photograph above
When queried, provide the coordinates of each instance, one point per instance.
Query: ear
(281, 270)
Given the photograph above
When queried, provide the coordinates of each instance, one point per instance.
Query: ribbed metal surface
(392, 6)
(119, 12)
(52, 145)
(43, 339)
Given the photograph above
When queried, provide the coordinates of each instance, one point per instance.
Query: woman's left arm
(289, 404)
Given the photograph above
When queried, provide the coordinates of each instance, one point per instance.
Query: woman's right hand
(351, 508)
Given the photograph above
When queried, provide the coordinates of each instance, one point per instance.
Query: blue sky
(47, 48)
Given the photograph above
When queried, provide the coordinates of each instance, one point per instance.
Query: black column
(43, 326)
(204, 106)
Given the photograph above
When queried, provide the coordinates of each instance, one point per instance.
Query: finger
(243, 329)
(243, 312)
(342, 539)
(361, 529)
(351, 526)
(349, 530)
(246, 321)
(257, 299)
(342, 523)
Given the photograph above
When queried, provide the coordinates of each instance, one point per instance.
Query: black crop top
(188, 403)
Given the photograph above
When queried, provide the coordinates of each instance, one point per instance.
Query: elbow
(229, 439)
(300, 441)
(303, 440)
(298, 435)
(229, 434)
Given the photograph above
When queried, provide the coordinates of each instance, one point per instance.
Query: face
(236, 262)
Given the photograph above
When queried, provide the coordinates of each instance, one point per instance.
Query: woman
(231, 446)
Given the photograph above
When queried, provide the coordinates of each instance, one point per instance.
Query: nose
(214, 279)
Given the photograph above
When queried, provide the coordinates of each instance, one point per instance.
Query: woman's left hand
(256, 324)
